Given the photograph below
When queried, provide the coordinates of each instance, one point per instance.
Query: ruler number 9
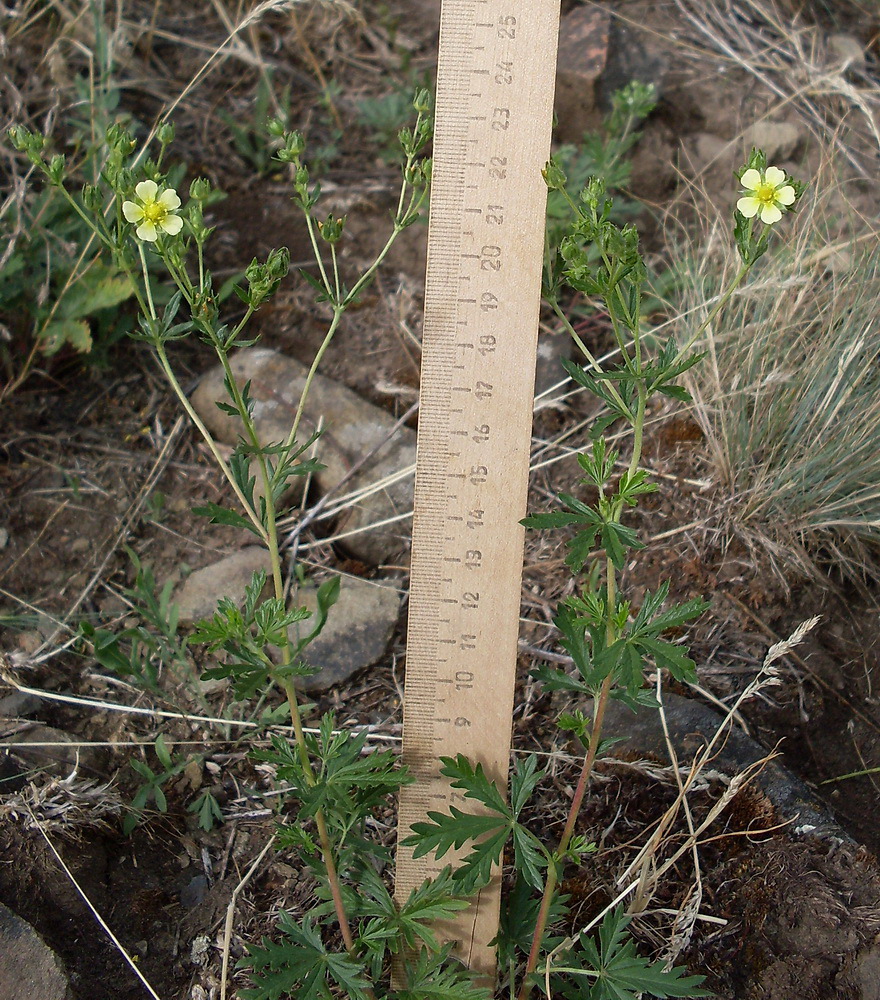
(507, 26)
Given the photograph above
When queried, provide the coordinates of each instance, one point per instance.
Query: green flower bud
(55, 170)
(92, 200)
(554, 176)
(331, 230)
(200, 188)
(165, 133)
(422, 101)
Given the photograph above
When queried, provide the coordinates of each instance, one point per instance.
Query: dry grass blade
(789, 396)
(790, 58)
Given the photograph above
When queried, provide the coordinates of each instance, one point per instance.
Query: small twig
(230, 913)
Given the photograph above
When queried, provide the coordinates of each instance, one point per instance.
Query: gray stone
(868, 964)
(580, 61)
(351, 428)
(34, 747)
(691, 725)
(29, 969)
(357, 633)
(552, 348)
(708, 153)
(17, 705)
(632, 55)
(229, 577)
(779, 140)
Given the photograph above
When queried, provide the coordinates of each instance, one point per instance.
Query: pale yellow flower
(768, 194)
(153, 210)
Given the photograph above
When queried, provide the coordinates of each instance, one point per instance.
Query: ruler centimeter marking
(493, 118)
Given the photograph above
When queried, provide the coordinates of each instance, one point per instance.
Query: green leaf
(615, 971)
(474, 782)
(220, 515)
(301, 966)
(438, 977)
(75, 332)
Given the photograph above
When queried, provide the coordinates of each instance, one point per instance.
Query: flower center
(155, 212)
(766, 193)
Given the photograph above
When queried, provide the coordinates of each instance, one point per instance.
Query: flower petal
(774, 176)
(147, 231)
(785, 195)
(770, 214)
(146, 191)
(169, 199)
(750, 180)
(748, 207)
(132, 211)
(171, 224)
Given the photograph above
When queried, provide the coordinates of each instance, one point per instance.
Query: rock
(632, 55)
(779, 140)
(24, 754)
(846, 52)
(17, 705)
(692, 724)
(580, 61)
(201, 590)
(552, 348)
(868, 964)
(352, 428)
(357, 633)
(29, 969)
(654, 175)
(707, 153)
(4, 538)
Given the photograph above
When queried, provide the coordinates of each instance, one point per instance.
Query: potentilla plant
(335, 782)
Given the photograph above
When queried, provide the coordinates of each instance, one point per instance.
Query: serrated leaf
(75, 332)
(220, 515)
(617, 972)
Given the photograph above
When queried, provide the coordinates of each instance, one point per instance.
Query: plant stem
(600, 704)
(209, 440)
(719, 305)
(567, 833)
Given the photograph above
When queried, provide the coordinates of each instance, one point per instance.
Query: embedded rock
(351, 429)
(691, 726)
(229, 577)
(779, 140)
(580, 62)
(29, 969)
(358, 630)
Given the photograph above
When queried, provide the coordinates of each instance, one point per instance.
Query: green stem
(612, 389)
(600, 705)
(209, 440)
(719, 305)
(147, 287)
(325, 343)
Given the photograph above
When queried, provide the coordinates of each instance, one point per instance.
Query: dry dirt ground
(93, 459)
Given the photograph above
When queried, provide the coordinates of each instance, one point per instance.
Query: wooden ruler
(485, 245)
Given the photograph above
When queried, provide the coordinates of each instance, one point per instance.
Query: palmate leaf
(301, 966)
(446, 831)
(615, 971)
(437, 977)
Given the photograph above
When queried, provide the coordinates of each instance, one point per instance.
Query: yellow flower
(153, 211)
(768, 194)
